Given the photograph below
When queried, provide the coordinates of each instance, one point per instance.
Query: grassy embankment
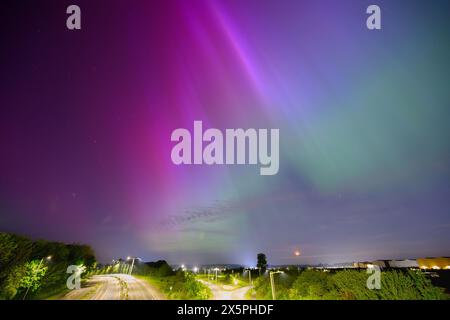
(178, 287)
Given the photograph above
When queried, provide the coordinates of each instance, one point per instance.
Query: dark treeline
(36, 269)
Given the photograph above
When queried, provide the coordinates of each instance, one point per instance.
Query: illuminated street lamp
(216, 270)
(132, 263)
(272, 282)
(249, 276)
(195, 269)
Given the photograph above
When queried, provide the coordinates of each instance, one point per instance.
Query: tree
(34, 272)
(165, 270)
(81, 254)
(261, 262)
(14, 253)
(21, 269)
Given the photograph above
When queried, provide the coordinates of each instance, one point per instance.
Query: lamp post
(216, 270)
(249, 276)
(48, 258)
(272, 282)
(132, 263)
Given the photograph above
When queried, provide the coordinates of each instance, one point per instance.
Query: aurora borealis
(364, 167)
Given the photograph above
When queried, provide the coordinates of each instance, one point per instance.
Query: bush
(312, 285)
(283, 283)
(350, 285)
(395, 285)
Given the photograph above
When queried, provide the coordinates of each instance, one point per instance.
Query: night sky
(86, 118)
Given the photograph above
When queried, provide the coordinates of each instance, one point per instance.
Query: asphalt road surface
(114, 287)
(226, 292)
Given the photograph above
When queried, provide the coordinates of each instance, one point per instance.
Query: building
(366, 264)
(434, 263)
(361, 264)
(409, 263)
(380, 263)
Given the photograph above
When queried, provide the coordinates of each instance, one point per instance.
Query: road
(226, 292)
(115, 287)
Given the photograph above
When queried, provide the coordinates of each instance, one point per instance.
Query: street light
(216, 270)
(249, 276)
(132, 263)
(195, 269)
(272, 282)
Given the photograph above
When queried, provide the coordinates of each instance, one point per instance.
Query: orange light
(297, 253)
